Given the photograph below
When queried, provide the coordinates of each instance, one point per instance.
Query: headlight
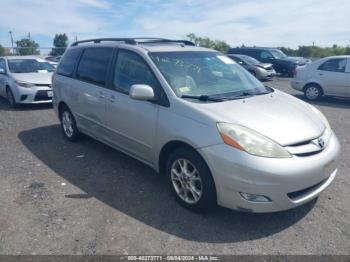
(322, 117)
(250, 141)
(24, 84)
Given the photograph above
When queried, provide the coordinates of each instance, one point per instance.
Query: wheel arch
(60, 107)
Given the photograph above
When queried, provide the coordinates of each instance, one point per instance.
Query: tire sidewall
(208, 197)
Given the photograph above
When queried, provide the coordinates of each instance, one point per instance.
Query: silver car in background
(25, 80)
(262, 71)
(329, 76)
(218, 134)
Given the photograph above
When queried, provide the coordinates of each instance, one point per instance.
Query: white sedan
(328, 76)
(25, 80)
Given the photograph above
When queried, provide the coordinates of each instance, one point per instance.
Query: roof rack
(135, 41)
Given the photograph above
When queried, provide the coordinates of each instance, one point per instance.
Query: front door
(132, 124)
(332, 75)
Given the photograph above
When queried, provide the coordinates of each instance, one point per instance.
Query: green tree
(26, 46)
(2, 51)
(60, 42)
(219, 45)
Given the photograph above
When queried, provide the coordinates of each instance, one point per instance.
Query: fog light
(255, 198)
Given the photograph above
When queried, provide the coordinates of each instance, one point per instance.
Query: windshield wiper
(204, 98)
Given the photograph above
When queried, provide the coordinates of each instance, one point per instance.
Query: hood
(264, 65)
(34, 78)
(278, 116)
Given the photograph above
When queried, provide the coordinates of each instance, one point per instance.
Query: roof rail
(135, 41)
(99, 40)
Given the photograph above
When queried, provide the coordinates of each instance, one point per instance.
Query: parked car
(191, 113)
(328, 76)
(262, 71)
(25, 80)
(282, 63)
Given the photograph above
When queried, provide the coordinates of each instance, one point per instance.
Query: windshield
(29, 66)
(277, 53)
(250, 60)
(206, 74)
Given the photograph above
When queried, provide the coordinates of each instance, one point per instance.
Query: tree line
(28, 46)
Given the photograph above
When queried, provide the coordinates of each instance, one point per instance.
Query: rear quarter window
(68, 62)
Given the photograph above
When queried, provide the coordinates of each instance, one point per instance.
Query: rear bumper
(288, 182)
(296, 84)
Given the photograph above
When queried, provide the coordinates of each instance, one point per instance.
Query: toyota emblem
(321, 142)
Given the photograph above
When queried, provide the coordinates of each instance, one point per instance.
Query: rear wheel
(11, 98)
(313, 92)
(190, 180)
(68, 125)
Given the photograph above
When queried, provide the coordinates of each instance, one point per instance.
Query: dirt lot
(86, 198)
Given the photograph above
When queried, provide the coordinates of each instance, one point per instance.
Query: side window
(238, 60)
(131, 69)
(334, 65)
(265, 55)
(67, 64)
(93, 65)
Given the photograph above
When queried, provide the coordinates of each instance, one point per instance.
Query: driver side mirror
(141, 92)
(2, 71)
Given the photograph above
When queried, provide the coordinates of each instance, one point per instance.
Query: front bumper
(33, 95)
(303, 178)
(263, 74)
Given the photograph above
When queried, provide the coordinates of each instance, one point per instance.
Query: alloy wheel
(67, 123)
(186, 181)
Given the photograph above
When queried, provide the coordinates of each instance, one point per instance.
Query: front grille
(42, 96)
(306, 191)
(47, 85)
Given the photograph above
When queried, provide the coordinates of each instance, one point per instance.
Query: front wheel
(190, 180)
(68, 125)
(11, 98)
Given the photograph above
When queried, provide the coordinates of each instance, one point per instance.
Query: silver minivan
(191, 113)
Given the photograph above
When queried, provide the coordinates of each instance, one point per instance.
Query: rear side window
(334, 65)
(131, 69)
(93, 66)
(67, 64)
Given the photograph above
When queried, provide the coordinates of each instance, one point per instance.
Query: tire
(68, 125)
(313, 92)
(11, 98)
(196, 190)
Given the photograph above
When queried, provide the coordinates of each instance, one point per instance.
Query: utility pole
(13, 51)
(29, 35)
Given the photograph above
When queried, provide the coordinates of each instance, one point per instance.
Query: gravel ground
(86, 198)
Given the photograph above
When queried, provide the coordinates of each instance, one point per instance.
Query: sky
(287, 23)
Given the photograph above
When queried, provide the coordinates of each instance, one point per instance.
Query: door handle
(100, 95)
(112, 99)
